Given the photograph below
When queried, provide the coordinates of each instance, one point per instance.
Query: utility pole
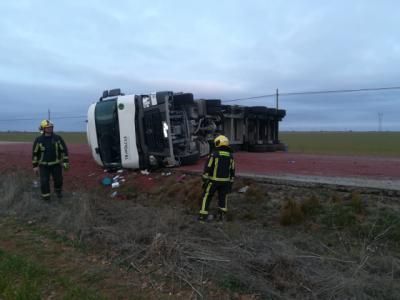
(277, 99)
(380, 118)
(48, 114)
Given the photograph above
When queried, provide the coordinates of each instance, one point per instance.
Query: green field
(69, 137)
(342, 143)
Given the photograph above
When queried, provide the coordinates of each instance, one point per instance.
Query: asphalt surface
(375, 172)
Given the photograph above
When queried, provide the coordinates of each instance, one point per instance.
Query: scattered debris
(243, 189)
(166, 174)
(91, 174)
(291, 161)
(106, 181)
(35, 184)
(145, 172)
(120, 171)
(115, 185)
(113, 194)
(181, 178)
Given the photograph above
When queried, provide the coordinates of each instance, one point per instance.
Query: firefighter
(219, 174)
(49, 157)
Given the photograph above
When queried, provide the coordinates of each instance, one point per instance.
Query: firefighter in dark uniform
(219, 173)
(49, 157)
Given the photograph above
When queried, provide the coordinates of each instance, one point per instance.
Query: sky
(61, 55)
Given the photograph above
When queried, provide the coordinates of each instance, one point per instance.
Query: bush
(336, 198)
(311, 206)
(356, 202)
(339, 215)
(291, 213)
(391, 220)
(254, 194)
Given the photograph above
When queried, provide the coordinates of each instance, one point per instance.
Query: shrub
(339, 215)
(291, 213)
(311, 205)
(356, 202)
(254, 194)
(390, 221)
(335, 198)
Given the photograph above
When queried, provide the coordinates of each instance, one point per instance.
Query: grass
(337, 244)
(291, 213)
(38, 263)
(21, 278)
(344, 143)
(69, 137)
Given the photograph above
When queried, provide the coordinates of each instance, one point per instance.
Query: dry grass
(356, 202)
(291, 213)
(255, 194)
(311, 205)
(156, 235)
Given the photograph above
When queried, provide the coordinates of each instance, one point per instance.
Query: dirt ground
(284, 238)
(280, 241)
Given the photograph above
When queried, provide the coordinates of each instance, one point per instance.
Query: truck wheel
(213, 106)
(183, 99)
(258, 109)
(190, 159)
(261, 148)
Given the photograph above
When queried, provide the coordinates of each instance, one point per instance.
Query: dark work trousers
(56, 172)
(223, 189)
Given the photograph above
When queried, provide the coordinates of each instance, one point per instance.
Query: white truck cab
(111, 132)
(139, 131)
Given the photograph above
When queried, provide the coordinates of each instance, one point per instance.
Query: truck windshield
(107, 127)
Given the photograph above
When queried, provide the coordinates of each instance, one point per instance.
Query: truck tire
(190, 159)
(213, 106)
(267, 147)
(258, 109)
(261, 148)
(183, 99)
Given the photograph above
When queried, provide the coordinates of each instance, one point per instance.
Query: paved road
(344, 170)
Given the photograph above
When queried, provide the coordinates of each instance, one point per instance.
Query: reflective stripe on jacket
(220, 165)
(49, 150)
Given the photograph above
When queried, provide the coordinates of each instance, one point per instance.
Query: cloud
(226, 49)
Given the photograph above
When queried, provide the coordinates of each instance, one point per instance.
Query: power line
(315, 92)
(246, 98)
(33, 119)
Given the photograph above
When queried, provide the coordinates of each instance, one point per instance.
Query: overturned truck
(172, 129)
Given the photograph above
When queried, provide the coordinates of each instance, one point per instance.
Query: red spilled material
(85, 173)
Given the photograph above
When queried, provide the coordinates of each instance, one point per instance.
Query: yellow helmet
(45, 123)
(221, 140)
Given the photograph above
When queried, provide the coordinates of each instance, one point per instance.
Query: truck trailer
(166, 129)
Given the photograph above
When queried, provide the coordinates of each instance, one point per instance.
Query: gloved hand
(66, 166)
